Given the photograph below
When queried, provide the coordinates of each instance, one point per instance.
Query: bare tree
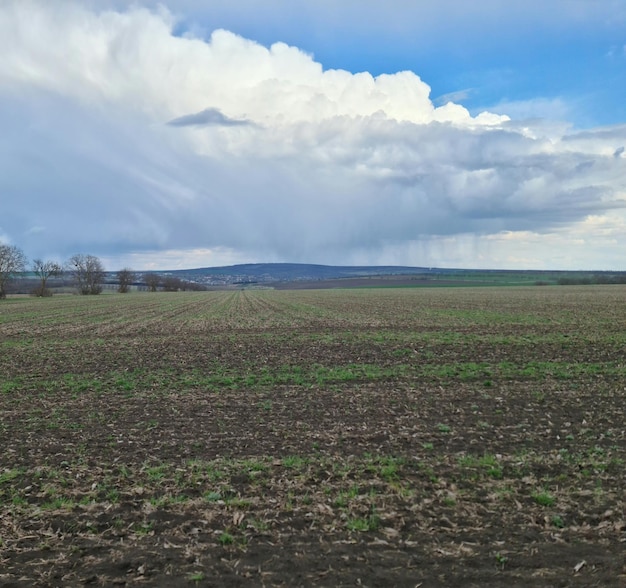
(45, 270)
(172, 284)
(152, 281)
(12, 261)
(88, 273)
(125, 278)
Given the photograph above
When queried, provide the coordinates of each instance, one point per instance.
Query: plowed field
(392, 437)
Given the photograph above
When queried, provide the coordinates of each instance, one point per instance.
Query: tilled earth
(466, 437)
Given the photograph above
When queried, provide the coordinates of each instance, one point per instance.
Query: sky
(186, 133)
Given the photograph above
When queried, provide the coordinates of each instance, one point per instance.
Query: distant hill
(305, 275)
(290, 272)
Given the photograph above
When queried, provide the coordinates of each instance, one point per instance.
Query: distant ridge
(310, 275)
(288, 272)
(294, 271)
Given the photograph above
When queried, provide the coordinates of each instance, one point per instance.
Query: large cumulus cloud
(120, 137)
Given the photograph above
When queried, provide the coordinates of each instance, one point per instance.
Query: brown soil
(371, 438)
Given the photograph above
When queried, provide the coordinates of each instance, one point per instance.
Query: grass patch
(544, 498)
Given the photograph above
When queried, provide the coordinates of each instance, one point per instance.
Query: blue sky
(189, 133)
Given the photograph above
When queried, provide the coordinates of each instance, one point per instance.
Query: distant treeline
(594, 279)
(141, 283)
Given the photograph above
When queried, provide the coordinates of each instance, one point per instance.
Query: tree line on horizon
(86, 272)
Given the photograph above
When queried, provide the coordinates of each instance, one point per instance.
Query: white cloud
(272, 156)
(596, 242)
(133, 59)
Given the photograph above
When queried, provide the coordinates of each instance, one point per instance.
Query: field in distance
(377, 437)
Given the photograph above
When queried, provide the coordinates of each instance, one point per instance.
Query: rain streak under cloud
(149, 148)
